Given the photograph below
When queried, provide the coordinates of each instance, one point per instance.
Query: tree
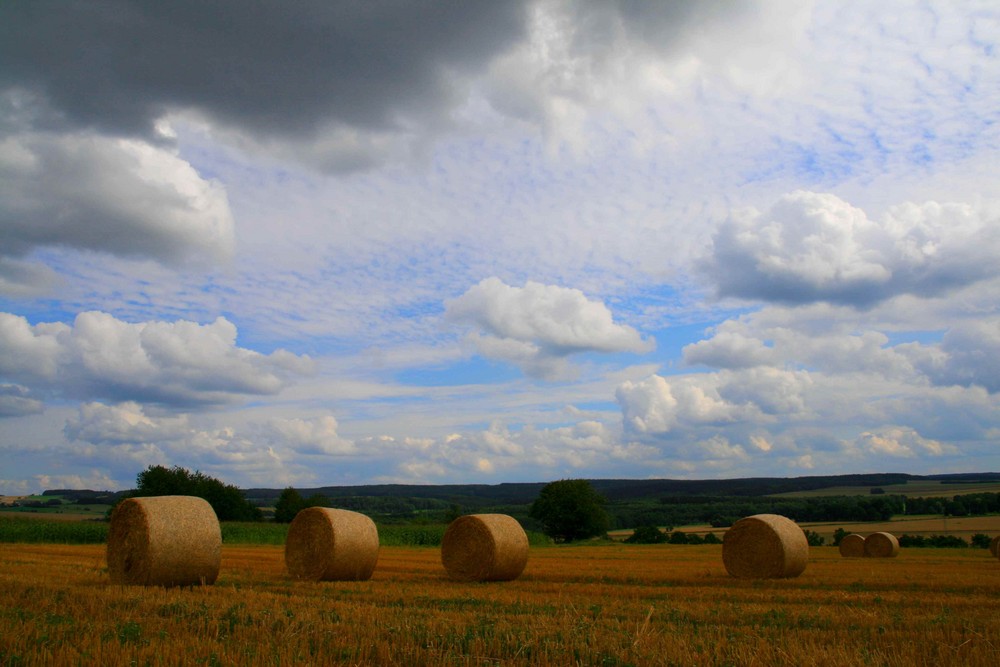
(291, 502)
(227, 500)
(454, 511)
(570, 509)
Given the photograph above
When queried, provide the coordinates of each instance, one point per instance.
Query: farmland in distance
(607, 604)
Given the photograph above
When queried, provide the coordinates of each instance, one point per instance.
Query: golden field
(587, 605)
(926, 525)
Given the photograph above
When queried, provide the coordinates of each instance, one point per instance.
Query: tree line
(570, 509)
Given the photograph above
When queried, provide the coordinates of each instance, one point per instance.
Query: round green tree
(228, 501)
(289, 503)
(570, 509)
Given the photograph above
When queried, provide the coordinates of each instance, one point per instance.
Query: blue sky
(349, 243)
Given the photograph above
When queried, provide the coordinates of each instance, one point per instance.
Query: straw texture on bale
(995, 546)
(164, 541)
(325, 544)
(852, 546)
(484, 547)
(881, 545)
(765, 546)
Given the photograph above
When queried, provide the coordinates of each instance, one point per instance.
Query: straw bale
(881, 545)
(853, 546)
(326, 544)
(765, 546)
(164, 541)
(995, 546)
(484, 547)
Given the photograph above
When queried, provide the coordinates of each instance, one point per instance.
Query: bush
(814, 539)
(934, 541)
(981, 540)
(647, 535)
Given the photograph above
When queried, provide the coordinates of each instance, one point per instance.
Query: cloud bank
(715, 239)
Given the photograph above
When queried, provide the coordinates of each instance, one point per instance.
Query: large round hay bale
(995, 546)
(325, 544)
(852, 546)
(765, 546)
(164, 541)
(881, 545)
(484, 547)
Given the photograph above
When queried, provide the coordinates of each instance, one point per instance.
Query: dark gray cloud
(16, 401)
(273, 68)
(661, 25)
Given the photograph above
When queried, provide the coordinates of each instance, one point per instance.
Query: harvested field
(964, 527)
(484, 547)
(609, 604)
(852, 546)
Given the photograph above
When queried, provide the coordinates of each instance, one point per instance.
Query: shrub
(677, 537)
(647, 535)
(981, 540)
(814, 539)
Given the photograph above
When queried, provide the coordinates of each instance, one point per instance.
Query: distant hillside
(476, 495)
(647, 502)
(472, 496)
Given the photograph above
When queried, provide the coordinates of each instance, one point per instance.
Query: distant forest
(633, 503)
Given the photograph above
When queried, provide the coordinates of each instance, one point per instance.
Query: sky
(336, 243)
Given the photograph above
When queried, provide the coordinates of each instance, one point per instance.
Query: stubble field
(587, 605)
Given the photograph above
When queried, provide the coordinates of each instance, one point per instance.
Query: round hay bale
(164, 541)
(995, 546)
(853, 546)
(881, 545)
(326, 544)
(484, 547)
(765, 546)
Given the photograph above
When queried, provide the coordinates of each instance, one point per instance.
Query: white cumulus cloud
(900, 442)
(310, 436)
(535, 326)
(171, 363)
(816, 247)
